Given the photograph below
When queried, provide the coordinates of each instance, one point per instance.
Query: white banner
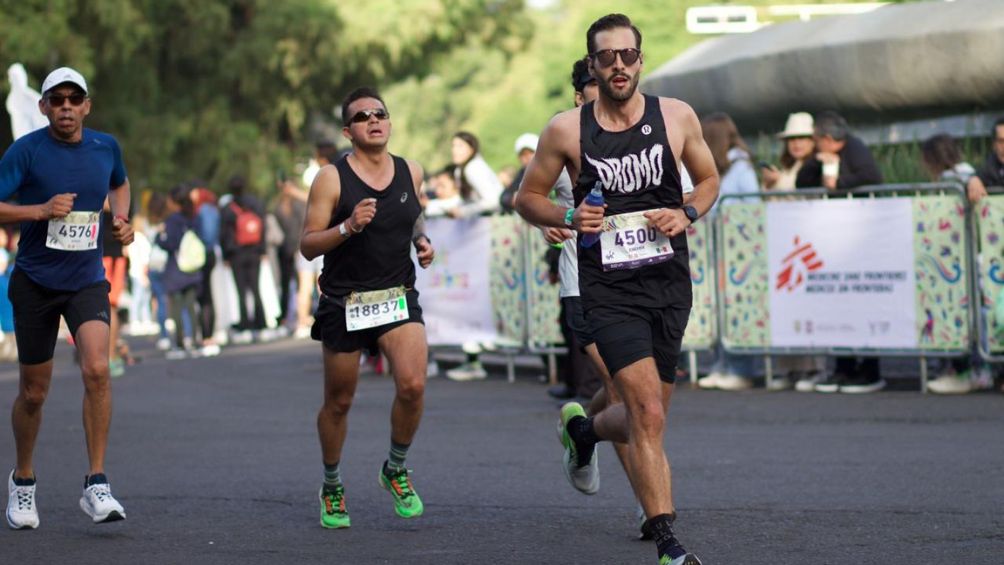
(455, 291)
(842, 273)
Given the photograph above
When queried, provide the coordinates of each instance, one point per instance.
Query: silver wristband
(343, 231)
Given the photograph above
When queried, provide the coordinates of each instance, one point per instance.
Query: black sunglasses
(57, 100)
(365, 115)
(606, 57)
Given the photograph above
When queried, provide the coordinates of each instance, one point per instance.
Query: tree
(208, 88)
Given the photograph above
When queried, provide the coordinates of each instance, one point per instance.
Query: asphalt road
(216, 461)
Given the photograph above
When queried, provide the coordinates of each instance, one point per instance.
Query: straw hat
(799, 125)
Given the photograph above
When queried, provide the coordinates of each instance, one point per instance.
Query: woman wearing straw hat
(800, 371)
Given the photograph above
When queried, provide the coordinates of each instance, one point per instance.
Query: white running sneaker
(733, 382)
(163, 344)
(21, 511)
(467, 372)
(98, 503)
(210, 350)
(710, 380)
(808, 383)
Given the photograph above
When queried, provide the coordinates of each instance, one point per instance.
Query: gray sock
(395, 461)
(332, 476)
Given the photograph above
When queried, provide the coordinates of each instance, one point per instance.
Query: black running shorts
(626, 334)
(576, 320)
(329, 325)
(37, 310)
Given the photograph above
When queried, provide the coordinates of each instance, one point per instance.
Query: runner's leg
(92, 339)
(341, 374)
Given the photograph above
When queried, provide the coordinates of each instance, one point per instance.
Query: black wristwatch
(691, 213)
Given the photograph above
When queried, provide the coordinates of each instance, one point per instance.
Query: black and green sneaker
(334, 515)
(407, 504)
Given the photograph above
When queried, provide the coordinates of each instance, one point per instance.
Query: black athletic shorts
(576, 320)
(329, 325)
(37, 310)
(625, 334)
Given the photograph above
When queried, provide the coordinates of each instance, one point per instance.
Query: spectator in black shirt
(842, 161)
(992, 172)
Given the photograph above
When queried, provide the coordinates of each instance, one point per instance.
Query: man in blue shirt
(62, 175)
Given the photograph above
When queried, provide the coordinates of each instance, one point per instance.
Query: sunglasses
(606, 57)
(363, 116)
(57, 100)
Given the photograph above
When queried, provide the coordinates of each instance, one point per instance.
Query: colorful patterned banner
(508, 283)
(702, 327)
(544, 326)
(940, 255)
(990, 223)
(744, 274)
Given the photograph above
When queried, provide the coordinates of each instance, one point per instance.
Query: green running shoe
(407, 504)
(333, 512)
(688, 559)
(585, 479)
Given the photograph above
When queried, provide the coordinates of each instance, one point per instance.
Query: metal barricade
(942, 269)
(988, 284)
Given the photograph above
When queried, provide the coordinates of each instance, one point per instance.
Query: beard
(607, 89)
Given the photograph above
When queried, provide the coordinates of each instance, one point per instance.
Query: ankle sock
(24, 482)
(95, 479)
(661, 527)
(581, 430)
(395, 459)
(332, 477)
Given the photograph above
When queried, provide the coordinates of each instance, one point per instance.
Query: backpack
(249, 226)
(191, 253)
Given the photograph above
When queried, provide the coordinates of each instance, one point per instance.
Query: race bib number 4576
(628, 242)
(78, 231)
(376, 308)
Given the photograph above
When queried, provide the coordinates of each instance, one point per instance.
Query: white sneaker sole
(14, 526)
(111, 516)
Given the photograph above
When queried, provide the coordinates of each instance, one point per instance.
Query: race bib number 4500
(78, 231)
(376, 308)
(628, 242)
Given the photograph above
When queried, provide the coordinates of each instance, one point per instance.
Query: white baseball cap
(63, 75)
(526, 141)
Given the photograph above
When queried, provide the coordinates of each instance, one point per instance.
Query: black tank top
(379, 257)
(638, 172)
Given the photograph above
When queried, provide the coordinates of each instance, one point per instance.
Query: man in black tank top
(363, 216)
(635, 281)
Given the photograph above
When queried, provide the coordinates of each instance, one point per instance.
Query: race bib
(628, 242)
(78, 231)
(376, 308)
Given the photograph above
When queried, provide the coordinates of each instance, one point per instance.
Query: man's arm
(317, 238)
(542, 173)
(423, 245)
(698, 162)
(119, 198)
(13, 168)
(858, 167)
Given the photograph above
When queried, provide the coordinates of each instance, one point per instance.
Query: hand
(975, 190)
(58, 206)
(362, 215)
(122, 231)
(454, 213)
(588, 219)
(425, 252)
(557, 235)
(769, 176)
(671, 222)
(824, 157)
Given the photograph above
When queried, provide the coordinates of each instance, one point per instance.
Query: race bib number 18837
(376, 308)
(628, 242)
(78, 231)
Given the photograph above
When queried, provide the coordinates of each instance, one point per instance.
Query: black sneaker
(862, 384)
(831, 383)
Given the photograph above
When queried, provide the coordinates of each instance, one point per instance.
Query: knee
(411, 390)
(33, 396)
(337, 405)
(648, 418)
(95, 375)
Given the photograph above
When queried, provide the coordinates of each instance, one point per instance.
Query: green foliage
(206, 89)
